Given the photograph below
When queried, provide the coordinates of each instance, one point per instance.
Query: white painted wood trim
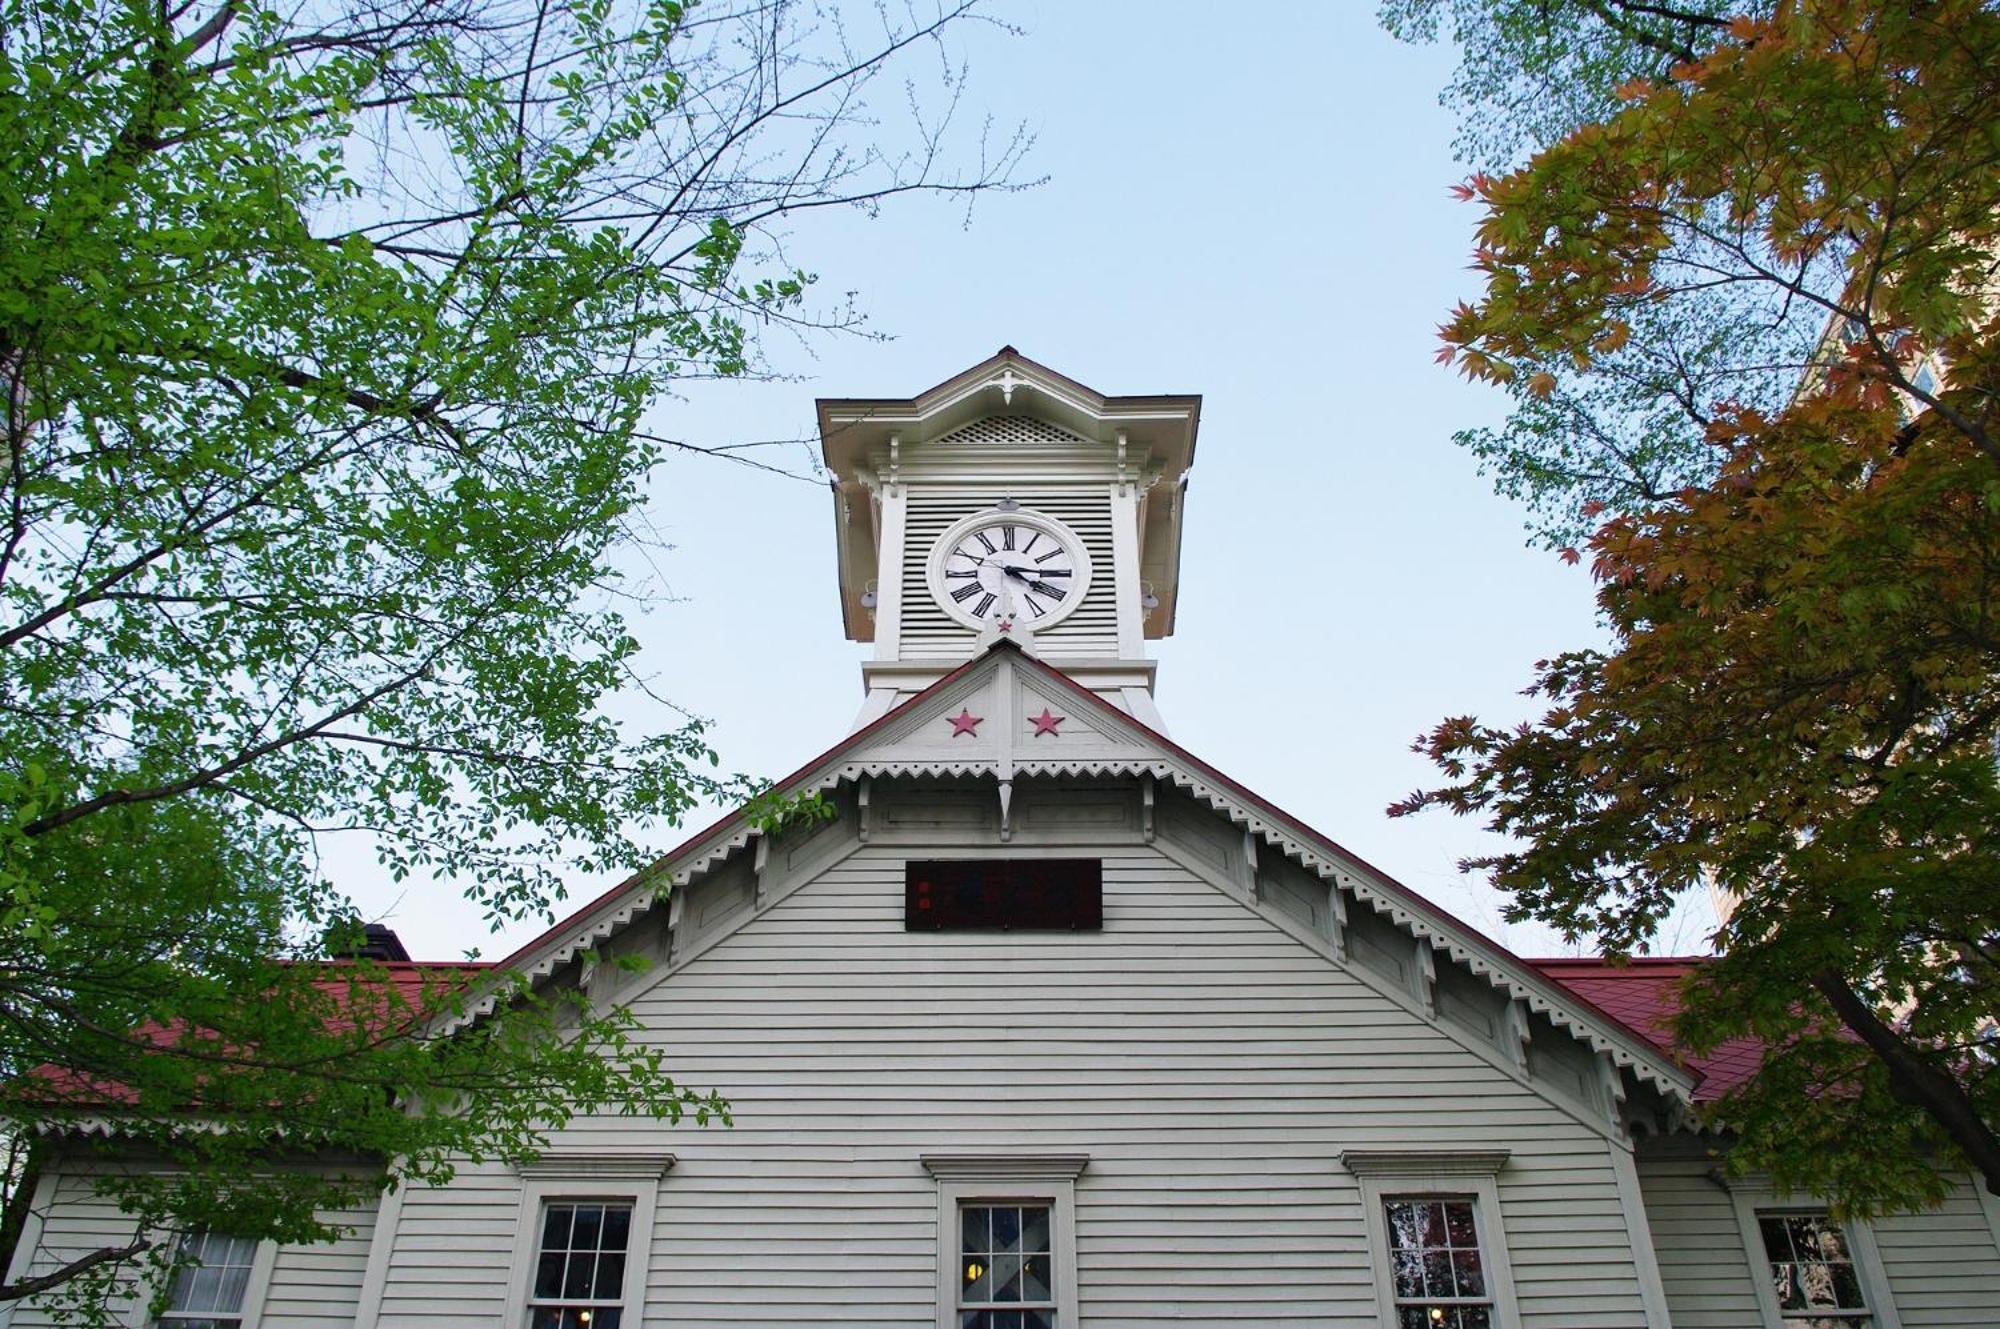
(889, 574)
(1989, 1204)
(1414, 1163)
(1378, 1187)
(381, 1245)
(968, 1167)
(258, 1288)
(1639, 1229)
(587, 1176)
(1125, 570)
(1040, 1178)
(1750, 1194)
(1400, 994)
(31, 1235)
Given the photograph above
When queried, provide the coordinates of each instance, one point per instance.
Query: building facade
(1053, 1024)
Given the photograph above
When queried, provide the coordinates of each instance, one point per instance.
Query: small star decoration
(1046, 723)
(965, 722)
(1005, 625)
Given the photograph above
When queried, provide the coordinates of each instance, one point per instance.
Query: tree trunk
(1915, 1081)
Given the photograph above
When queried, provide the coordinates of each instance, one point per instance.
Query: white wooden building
(1054, 1024)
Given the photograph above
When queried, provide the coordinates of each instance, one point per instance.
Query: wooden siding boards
(310, 1287)
(1211, 1066)
(318, 1287)
(1943, 1267)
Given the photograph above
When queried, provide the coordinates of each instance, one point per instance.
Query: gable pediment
(1005, 742)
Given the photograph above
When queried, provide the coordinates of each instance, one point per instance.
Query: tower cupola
(1009, 502)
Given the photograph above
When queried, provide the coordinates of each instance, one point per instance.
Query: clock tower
(1009, 502)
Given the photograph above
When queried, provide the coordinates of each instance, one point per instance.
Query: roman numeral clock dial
(1012, 571)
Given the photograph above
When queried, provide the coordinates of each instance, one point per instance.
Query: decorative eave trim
(1541, 995)
(1424, 1162)
(1040, 1167)
(595, 1165)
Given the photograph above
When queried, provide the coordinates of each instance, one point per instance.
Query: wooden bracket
(760, 862)
(1613, 1085)
(1518, 1034)
(1427, 977)
(676, 907)
(1253, 887)
(1337, 920)
(864, 819)
(1147, 828)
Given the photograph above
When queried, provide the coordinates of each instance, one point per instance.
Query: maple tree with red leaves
(1801, 696)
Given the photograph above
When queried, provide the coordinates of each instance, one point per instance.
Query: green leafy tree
(1801, 697)
(327, 337)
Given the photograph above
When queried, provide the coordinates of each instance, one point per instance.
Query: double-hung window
(212, 1284)
(1435, 1264)
(1434, 1230)
(585, 1239)
(1006, 1239)
(1006, 1277)
(1808, 1269)
(1813, 1275)
(580, 1268)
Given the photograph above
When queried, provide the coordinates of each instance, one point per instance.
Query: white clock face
(1009, 567)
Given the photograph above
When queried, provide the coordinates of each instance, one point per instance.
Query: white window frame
(1435, 1174)
(1000, 1179)
(262, 1261)
(567, 1178)
(1756, 1196)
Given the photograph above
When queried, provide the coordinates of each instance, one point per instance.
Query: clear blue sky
(1250, 204)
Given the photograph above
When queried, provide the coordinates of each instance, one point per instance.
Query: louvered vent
(1090, 630)
(1010, 429)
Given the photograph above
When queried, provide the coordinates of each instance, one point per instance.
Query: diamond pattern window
(214, 1278)
(1812, 1272)
(1006, 1267)
(580, 1272)
(1436, 1269)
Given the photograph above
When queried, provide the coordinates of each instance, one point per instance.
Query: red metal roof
(1644, 993)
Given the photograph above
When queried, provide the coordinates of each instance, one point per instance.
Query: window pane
(1038, 1320)
(1006, 1278)
(555, 1227)
(617, 1228)
(1471, 1278)
(1434, 1264)
(1035, 1229)
(589, 1219)
(548, 1276)
(217, 1276)
(975, 1280)
(1811, 1265)
(974, 1232)
(1006, 1229)
(1035, 1282)
(577, 1282)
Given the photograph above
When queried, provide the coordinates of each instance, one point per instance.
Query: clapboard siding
(318, 1286)
(80, 1221)
(1942, 1266)
(1211, 1066)
(310, 1287)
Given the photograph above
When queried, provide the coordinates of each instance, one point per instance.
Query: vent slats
(1091, 628)
(1004, 429)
